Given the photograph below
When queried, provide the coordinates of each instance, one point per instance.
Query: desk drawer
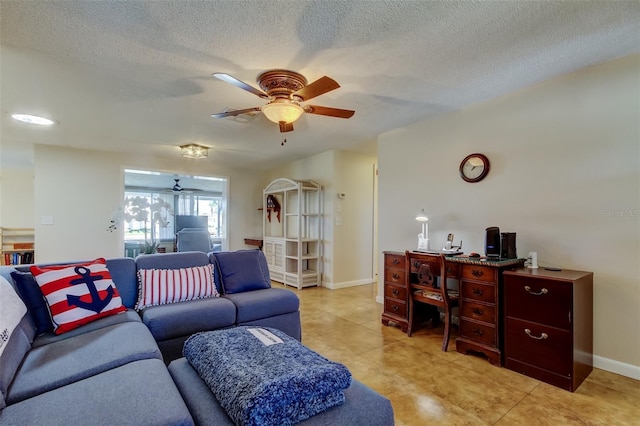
(393, 307)
(395, 276)
(478, 332)
(395, 292)
(478, 291)
(540, 345)
(394, 261)
(479, 312)
(478, 273)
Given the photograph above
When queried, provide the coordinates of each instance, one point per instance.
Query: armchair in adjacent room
(194, 239)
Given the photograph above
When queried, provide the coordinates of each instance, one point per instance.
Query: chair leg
(447, 329)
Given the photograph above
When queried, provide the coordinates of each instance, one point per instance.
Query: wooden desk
(254, 241)
(480, 311)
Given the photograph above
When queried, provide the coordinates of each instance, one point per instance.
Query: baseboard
(345, 284)
(617, 367)
(380, 299)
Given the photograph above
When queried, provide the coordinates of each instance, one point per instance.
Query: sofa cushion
(139, 393)
(258, 304)
(16, 334)
(174, 260)
(163, 286)
(243, 270)
(78, 293)
(182, 319)
(34, 299)
(123, 274)
(66, 361)
(127, 316)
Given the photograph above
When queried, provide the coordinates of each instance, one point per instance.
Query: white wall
(347, 247)
(80, 189)
(16, 195)
(565, 175)
(353, 253)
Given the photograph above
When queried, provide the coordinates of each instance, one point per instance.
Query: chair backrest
(194, 240)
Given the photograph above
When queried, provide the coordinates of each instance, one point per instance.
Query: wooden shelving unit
(17, 246)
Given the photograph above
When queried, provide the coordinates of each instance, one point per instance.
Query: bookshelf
(17, 246)
(292, 232)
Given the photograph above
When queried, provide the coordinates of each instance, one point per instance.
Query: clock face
(474, 168)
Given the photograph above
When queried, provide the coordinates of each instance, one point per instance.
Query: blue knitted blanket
(261, 376)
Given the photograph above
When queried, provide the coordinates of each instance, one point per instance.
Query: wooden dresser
(549, 325)
(395, 290)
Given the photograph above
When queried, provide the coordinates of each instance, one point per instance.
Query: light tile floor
(429, 387)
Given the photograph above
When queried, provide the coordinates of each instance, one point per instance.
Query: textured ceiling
(135, 76)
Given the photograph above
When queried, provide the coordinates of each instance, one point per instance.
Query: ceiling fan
(178, 189)
(285, 90)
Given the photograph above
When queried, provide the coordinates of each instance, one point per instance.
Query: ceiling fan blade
(285, 127)
(241, 84)
(317, 88)
(331, 112)
(235, 112)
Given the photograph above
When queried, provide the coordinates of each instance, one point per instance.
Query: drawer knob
(395, 308)
(477, 291)
(477, 273)
(478, 311)
(395, 292)
(395, 261)
(395, 276)
(541, 337)
(540, 293)
(477, 332)
(416, 264)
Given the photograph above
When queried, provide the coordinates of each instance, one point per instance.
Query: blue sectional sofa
(113, 370)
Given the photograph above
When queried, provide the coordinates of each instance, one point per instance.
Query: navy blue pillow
(35, 301)
(243, 270)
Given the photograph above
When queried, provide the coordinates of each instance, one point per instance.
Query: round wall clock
(474, 167)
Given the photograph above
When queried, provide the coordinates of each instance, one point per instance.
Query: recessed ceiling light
(32, 119)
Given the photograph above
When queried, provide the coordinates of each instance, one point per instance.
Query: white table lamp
(423, 238)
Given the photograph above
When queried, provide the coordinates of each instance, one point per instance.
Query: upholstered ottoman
(362, 405)
(259, 376)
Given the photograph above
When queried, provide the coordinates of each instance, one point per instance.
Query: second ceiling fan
(285, 90)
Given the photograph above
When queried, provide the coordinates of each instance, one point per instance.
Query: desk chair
(428, 284)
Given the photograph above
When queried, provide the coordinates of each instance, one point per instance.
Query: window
(151, 202)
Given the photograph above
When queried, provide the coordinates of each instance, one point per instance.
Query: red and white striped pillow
(162, 286)
(78, 294)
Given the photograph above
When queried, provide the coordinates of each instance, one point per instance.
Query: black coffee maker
(499, 245)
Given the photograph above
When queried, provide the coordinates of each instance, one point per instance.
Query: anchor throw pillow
(78, 294)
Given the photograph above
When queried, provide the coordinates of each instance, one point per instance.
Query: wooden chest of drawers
(549, 325)
(395, 290)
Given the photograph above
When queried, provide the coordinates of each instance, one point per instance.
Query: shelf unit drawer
(480, 292)
(478, 273)
(395, 292)
(394, 276)
(394, 261)
(479, 312)
(537, 344)
(544, 301)
(478, 332)
(394, 307)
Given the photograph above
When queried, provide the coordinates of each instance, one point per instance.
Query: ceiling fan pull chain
(284, 140)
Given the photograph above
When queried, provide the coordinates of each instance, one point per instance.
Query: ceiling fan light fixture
(286, 111)
(193, 150)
